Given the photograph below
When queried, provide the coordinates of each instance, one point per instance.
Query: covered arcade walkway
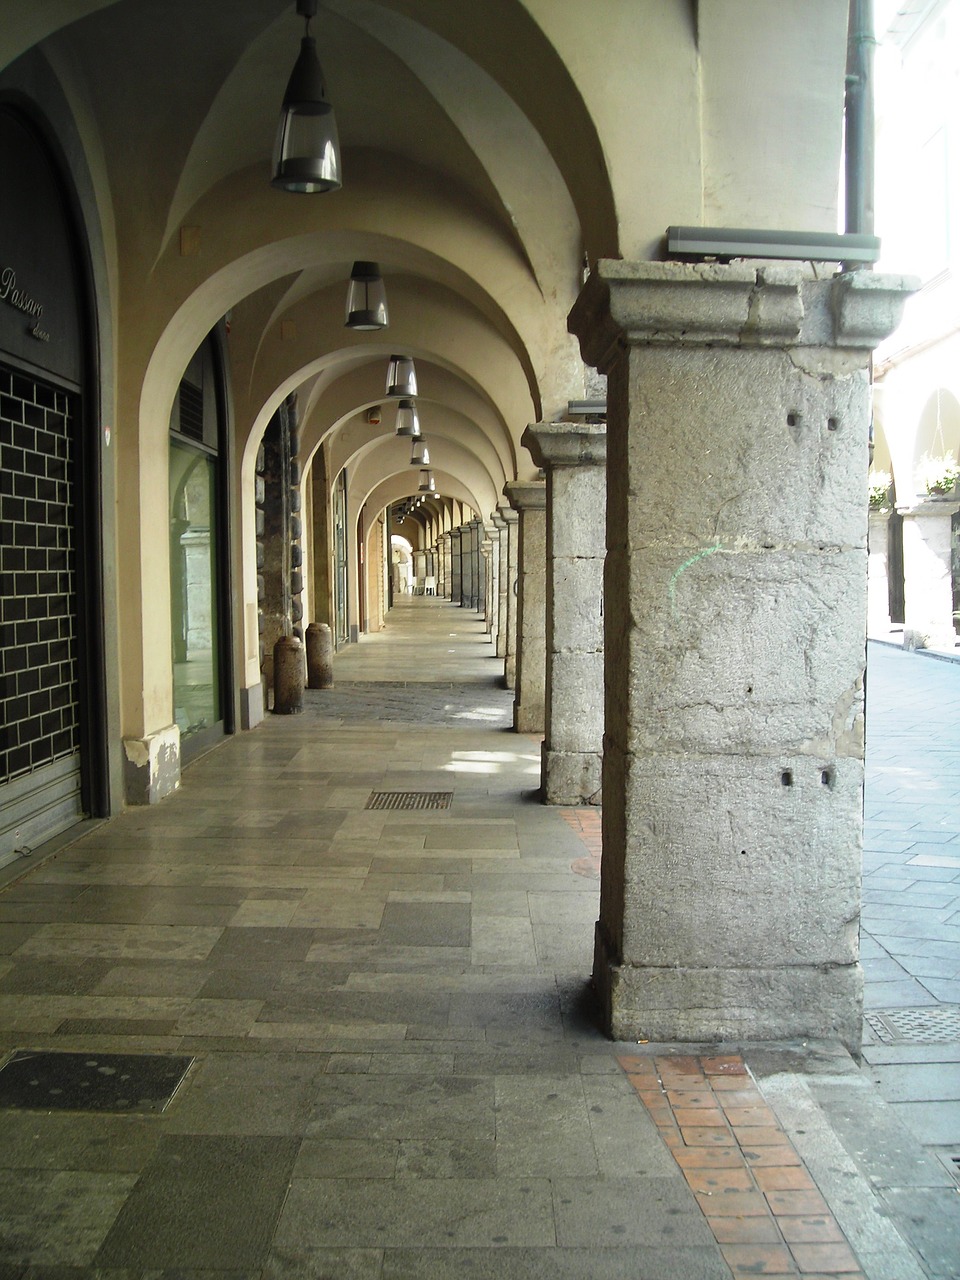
(394, 1069)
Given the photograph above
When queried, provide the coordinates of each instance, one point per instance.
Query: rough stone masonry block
(748, 847)
(746, 651)
(578, 500)
(576, 717)
(576, 606)
(709, 1005)
(745, 447)
(571, 777)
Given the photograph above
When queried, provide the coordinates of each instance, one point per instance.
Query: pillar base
(570, 777)
(726, 1004)
(151, 766)
(251, 706)
(528, 717)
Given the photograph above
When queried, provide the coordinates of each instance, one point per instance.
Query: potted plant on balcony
(938, 476)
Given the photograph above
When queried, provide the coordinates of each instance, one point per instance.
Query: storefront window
(193, 590)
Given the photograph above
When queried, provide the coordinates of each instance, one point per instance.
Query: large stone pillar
(468, 584)
(492, 548)
(456, 580)
(530, 502)
(735, 609)
(878, 581)
(927, 573)
(573, 455)
(446, 556)
(509, 537)
(502, 580)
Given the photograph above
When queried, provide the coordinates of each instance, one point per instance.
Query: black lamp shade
(408, 421)
(366, 298)
(306, 157)
(401, 377)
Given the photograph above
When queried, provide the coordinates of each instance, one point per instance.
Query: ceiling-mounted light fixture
(408, 421)
(419, 454)
(306, 157)
(427, 484)
(401, 377)
(366, 298)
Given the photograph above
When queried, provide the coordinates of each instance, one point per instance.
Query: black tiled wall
(38, 611)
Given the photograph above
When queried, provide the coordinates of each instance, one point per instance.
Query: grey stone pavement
(394, 1069)
(910, 934)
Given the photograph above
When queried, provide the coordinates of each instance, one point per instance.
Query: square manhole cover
(935, 1025)
(409, 800)
(123, 1082)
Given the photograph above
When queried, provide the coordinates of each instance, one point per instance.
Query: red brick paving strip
(586, 823)
(760, 1202)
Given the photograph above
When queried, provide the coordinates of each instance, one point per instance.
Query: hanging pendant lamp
(306, 156)
(427, 484)
(366, 298)
(401, 377)
(408, 421)
(419, 453)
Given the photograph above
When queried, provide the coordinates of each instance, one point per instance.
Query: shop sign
(14, 296)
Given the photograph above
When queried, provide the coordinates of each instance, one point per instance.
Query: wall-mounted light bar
(740, 242)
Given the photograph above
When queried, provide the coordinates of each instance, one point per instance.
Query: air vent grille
(409, 800)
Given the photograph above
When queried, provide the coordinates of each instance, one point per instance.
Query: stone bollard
(319, 656)
(288, 676)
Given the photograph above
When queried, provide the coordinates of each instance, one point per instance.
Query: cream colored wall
(773, 84)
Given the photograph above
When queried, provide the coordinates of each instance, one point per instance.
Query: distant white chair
(430, 585)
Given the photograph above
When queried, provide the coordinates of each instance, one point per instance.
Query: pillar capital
(508, 515)
(566, 444)
(741, 304)
(526, 495)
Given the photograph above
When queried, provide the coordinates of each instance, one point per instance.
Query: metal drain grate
(122, 1082)
(409, 800)
(952, 1162)
(916, 1026)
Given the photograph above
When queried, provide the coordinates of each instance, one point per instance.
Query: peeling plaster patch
(847, 731)
(137, 752)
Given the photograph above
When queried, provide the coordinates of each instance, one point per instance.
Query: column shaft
(573, 456)
(735, 604)
(502, 578)
(509, 538)
(530, 503)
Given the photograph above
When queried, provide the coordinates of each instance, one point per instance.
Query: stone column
(492, 543)
(927, 573)
(735, 610)
(445, 559)
(878, 582)
(486, 550)
(573, 456)
(467, 567)
(509, 537)
(480, 566)
(503, 576)
(455, 561)
(530, 502)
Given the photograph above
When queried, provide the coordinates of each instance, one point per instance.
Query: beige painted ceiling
(472, 173)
